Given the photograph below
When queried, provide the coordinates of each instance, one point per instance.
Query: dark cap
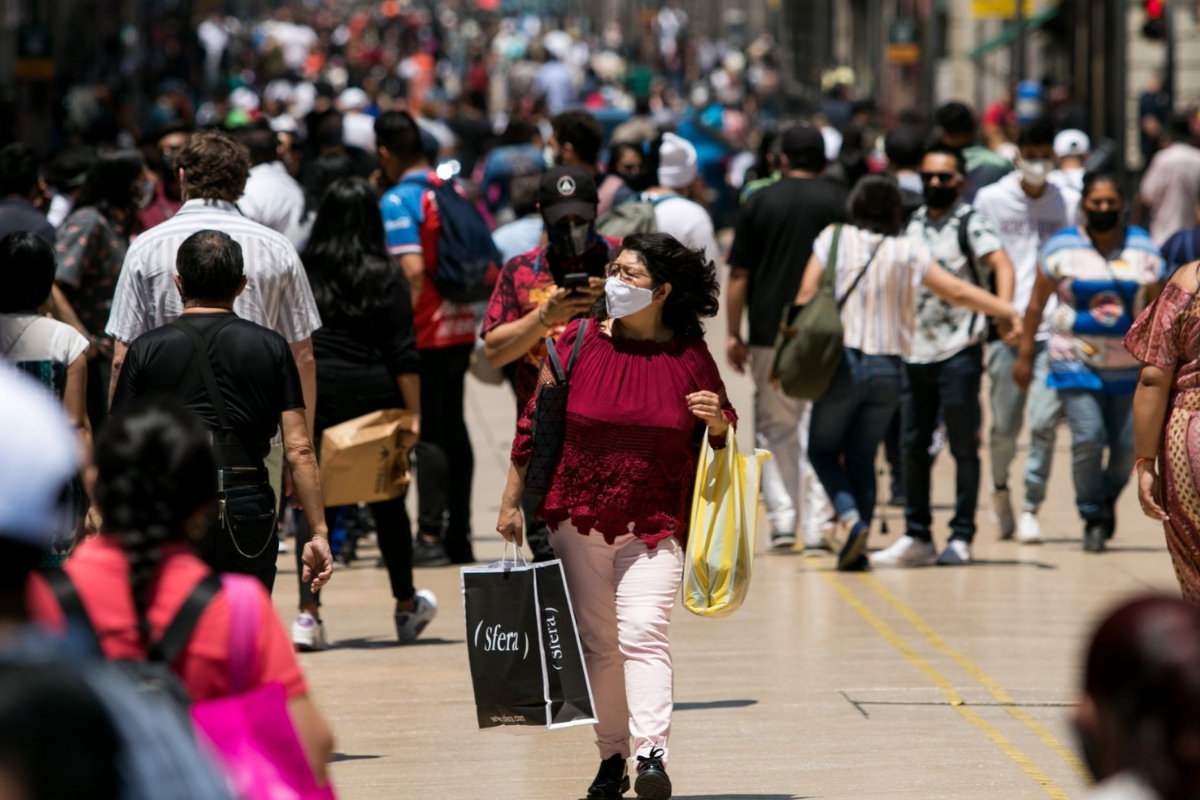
(803, 142)
(568, 191)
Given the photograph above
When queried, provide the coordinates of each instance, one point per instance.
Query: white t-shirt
(1024, 224)
(43, 347)
(274, 198)
(881, 314)
(686, 221)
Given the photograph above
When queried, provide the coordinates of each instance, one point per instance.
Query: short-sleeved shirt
(1098, 300)
(774, 240)
(944, 329)
(254, 368)
(412, 226)
(41, 347)
(99, 569)
(277, 294)
(525, 283)
(879, 316)
(1171, 187)
(274, 198)
(687, 221)
(90, 253)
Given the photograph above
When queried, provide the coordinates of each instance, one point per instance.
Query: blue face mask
(572, 239)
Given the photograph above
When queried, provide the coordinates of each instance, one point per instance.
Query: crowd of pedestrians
(288, 257)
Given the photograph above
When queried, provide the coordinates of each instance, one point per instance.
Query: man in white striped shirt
(213, 169)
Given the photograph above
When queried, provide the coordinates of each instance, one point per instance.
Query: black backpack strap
(964, 245)
(177, 634)
(205, 364)
(72, 605)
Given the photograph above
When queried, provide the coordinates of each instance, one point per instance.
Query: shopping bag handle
(517, 553)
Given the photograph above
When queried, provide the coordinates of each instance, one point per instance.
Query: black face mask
(939, 197)
(1103, 221)
(572, 239)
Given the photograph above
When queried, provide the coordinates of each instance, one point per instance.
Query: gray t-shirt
(944, 330)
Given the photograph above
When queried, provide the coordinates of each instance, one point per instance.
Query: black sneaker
(612, 780)
(429, 554)
(652, 782)
(1095, 535)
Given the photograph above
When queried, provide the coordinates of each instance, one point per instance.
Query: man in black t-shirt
(241, 380)
(771, 247)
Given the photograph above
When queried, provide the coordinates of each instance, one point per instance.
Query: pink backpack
(250, 733)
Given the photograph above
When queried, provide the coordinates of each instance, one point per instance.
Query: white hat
(353, 99)
(243, 99)
(1072, 142)
(676, 162)
(39, 454)
(284, 123)
(279, 90)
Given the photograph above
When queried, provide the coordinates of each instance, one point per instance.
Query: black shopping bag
(523, 647)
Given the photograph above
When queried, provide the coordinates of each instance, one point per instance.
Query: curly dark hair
(215, 166)
(154, 470)
(695, 293)
(580, 130)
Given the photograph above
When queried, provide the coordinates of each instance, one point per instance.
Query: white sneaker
(1002, 513)
(907, 552)
(409, 624)
(1030, 530)
(957, 553)
(308, 633)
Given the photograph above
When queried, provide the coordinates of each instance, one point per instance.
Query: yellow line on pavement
(995, 689)
(947, 689)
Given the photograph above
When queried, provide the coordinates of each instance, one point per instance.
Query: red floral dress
(629, 455)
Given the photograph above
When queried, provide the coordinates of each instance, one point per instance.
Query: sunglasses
(943, 177)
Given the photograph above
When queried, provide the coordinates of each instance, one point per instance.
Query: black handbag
(550, 418)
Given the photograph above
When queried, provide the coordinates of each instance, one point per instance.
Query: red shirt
(525, 283)
(100, 572)
(629, 454)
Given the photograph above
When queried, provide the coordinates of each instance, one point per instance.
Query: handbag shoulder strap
(862, 274)
(562, 376)
(241, 594)
(205, 364)
(829, 279)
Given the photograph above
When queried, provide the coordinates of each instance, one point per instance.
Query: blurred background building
(1090, 59)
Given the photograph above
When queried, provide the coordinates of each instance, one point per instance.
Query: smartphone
(576, 281)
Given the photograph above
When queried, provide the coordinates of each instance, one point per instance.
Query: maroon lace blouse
(629, 455)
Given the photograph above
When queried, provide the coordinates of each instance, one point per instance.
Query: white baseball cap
(39, 454)
(353, 99)
(1072, 142)
(243, 99)
(676, 162)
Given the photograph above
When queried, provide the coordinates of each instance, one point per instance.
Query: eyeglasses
(941, 177)
(631, 273)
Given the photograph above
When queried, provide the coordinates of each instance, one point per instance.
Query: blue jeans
(1098, 420)
(848, 423)
(953, 386)
(1008, 415)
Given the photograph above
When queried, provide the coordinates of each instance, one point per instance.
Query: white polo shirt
(277, 294)
(274, 198)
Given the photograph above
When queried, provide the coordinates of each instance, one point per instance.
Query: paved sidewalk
(929, 683)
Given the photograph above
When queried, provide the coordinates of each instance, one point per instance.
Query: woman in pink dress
(644, 389)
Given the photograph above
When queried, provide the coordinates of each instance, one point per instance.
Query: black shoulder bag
(550, 418)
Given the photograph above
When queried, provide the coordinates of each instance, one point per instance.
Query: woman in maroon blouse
(643, 391)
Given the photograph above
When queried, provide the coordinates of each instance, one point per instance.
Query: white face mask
(1034, 171)
(623, 299)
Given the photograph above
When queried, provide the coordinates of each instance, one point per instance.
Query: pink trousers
(622, 594)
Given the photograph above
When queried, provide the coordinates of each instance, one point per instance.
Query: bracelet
(1138, 462)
